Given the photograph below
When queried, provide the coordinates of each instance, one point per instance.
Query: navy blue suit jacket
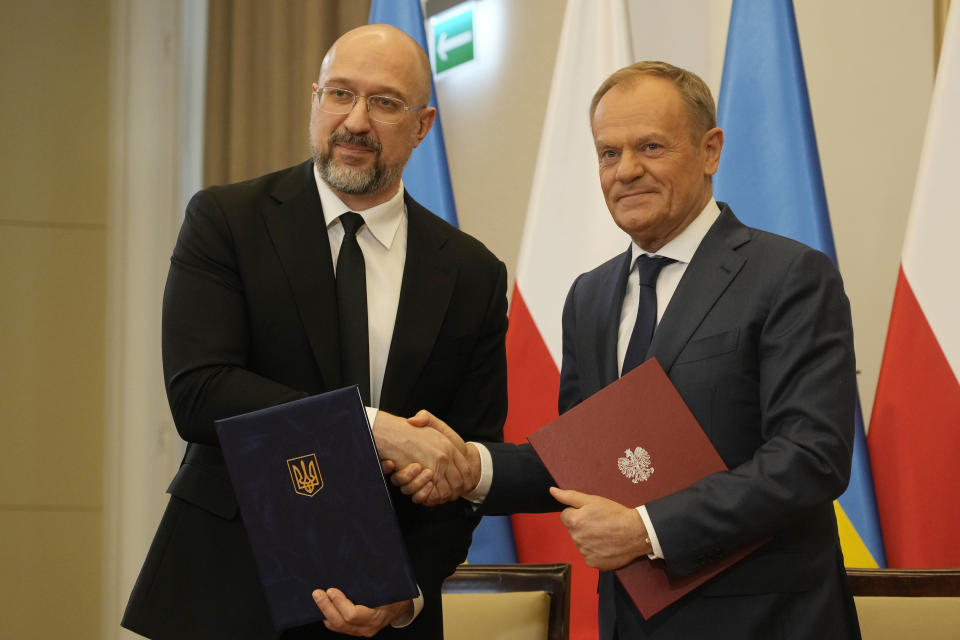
(758, 340)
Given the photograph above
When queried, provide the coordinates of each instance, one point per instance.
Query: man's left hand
(607, 534)
(342, 616)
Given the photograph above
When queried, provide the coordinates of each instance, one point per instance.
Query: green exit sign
(452, 38)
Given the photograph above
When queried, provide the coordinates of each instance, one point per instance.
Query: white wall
(869, 71)
(492, 110)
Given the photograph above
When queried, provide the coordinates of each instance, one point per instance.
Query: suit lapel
(711, 270)
(606, 333)
(296, 227)
(428, 283)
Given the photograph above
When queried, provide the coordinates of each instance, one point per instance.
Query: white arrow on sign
(445, 44)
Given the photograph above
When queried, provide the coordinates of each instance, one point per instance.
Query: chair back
(507, 602)
(907, 603)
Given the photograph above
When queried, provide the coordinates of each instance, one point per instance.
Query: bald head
(360, 157)
(388, 49)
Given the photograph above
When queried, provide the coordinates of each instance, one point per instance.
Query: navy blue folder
(315, 504)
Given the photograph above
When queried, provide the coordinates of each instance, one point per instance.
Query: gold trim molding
(940, 10)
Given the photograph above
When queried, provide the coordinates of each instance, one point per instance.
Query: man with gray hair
(305, 280)
(754, 330)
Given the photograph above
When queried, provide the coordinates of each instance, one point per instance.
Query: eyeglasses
(381, 108)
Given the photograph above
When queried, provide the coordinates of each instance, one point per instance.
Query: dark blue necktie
(352, 308)
(648, 268)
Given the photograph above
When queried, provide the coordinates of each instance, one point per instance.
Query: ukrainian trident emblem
(305, 474)
(636, 465)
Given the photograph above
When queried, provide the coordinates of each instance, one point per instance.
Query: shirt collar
(687, 241)
(382, 220)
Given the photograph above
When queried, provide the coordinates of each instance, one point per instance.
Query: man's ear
(425, 123)
(711, 144)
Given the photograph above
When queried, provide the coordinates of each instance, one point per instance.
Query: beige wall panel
(52, 282)
(492, 110)
(54, 79)
(48, 589)
(869, 69)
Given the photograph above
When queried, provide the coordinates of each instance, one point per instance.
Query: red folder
(632, 442)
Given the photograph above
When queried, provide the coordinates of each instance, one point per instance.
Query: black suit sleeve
(520, 481)
(478, 408)
(206, 334)
(790, 400)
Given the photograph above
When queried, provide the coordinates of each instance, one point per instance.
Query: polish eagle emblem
(636, 465)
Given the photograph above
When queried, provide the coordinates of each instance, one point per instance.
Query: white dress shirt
(681, 249)
(383, 240)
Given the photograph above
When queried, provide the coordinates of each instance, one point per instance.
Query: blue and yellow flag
(427, 178)
(770, 171)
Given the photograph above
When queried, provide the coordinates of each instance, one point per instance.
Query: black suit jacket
(757, 339)
(249, 321)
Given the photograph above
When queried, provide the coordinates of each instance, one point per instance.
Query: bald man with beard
(250, 320)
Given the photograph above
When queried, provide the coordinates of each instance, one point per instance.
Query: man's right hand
(419, 483)
(436, 457)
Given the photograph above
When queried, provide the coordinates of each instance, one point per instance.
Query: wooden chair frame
(905, 582)
(554, 579)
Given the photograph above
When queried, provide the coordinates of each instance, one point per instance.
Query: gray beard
(355, 181)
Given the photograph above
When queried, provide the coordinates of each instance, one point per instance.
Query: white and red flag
(568, 230)
(914, 435)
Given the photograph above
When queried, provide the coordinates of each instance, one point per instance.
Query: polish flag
(914, 435)
(568, 230)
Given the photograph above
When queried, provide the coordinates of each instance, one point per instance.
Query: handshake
(427, 459)
(432, 464)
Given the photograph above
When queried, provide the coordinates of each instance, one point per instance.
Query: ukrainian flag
(427, 178)
(770, 169)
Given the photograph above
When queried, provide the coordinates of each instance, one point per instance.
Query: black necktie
(648, 268)
(352, 308)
